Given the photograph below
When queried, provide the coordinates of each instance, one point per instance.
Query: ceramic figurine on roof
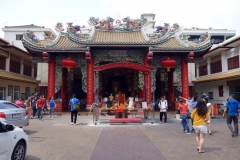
(175, 27)
(133, 24)
(203, 37)
(93, 21)
(105, 24)
(49, 37)
(59, 27)
(76, 30)
(31, 35)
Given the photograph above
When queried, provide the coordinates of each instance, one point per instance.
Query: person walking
(45, 106)
(20, 103)
(40, 105)
(163, 109)
(231, 108)
(34, 108)
(28, 104)
(209, 105)
(74, 101)
(52, 106)
(184, 112)
(109, 104)
(200, 116)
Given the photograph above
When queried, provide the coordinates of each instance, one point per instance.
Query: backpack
(26, 103)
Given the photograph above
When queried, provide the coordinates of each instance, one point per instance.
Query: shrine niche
(117, 54)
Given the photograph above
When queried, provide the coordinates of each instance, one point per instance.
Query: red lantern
(168, 63)
(69, 63)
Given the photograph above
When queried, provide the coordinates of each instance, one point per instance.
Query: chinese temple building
(130, 56)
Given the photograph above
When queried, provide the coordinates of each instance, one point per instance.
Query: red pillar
(51, 77)
(64, 85)
(184, 70)
(90, 82)
(170, 86)
(147, 82)
(149, 89)
(140, 93)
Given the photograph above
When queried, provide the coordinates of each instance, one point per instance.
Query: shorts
(200, 129)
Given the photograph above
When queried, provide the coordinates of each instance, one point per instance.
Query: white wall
(42, 72)
(11, 37)
(213, 87)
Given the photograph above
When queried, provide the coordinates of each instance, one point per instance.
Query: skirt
(200, 129)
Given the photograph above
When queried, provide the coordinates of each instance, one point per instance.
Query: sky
(217, 14)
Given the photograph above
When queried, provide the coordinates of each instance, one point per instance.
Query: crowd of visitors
(197, 111)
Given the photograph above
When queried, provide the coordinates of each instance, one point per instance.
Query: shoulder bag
(75, 106)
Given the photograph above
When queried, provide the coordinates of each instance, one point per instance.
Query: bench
(125, 120)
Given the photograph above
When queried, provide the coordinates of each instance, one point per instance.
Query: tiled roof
(63, 44)
(103, 37)
(173, 45)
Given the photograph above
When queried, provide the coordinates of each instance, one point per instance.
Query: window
(210, 95)
(27, 92)
(233, 62)
(16, 92)
(15, 66)
(19, 36)
(10, 91)
(7, 105)
(216, 66)
(203, 70)
(35, 72)
(27, 70)
(220, 91)
(2, 93)
(2, 62)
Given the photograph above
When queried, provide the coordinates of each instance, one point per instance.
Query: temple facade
(126, 56)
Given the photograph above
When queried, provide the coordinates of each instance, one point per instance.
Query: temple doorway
(114, 80)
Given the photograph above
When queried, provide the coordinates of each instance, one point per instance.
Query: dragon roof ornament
(110, 24)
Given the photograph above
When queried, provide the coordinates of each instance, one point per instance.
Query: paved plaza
(55, 139)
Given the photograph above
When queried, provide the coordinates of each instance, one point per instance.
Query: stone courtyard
(56, 139)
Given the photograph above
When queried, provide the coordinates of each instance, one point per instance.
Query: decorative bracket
(45, 57)
(88, 56)
(149, 56)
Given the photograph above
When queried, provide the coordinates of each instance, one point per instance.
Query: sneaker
(74, 124)
(71, 123)
(184, 131)
(188, 133)
(210, 133)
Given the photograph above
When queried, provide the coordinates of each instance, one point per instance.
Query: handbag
(75, 106)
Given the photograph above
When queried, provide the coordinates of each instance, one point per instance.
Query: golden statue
(111, 97)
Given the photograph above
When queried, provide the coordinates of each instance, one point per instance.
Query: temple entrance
(114, 80)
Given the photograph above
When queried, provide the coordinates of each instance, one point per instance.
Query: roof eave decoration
(180, 43)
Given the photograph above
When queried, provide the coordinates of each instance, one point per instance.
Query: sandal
(201, 151)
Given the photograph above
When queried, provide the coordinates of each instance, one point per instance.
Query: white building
(14, 35)
(17, 72)
(219, 74)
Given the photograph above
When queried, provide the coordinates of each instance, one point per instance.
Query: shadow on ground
(29, 132)
(30, 157)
